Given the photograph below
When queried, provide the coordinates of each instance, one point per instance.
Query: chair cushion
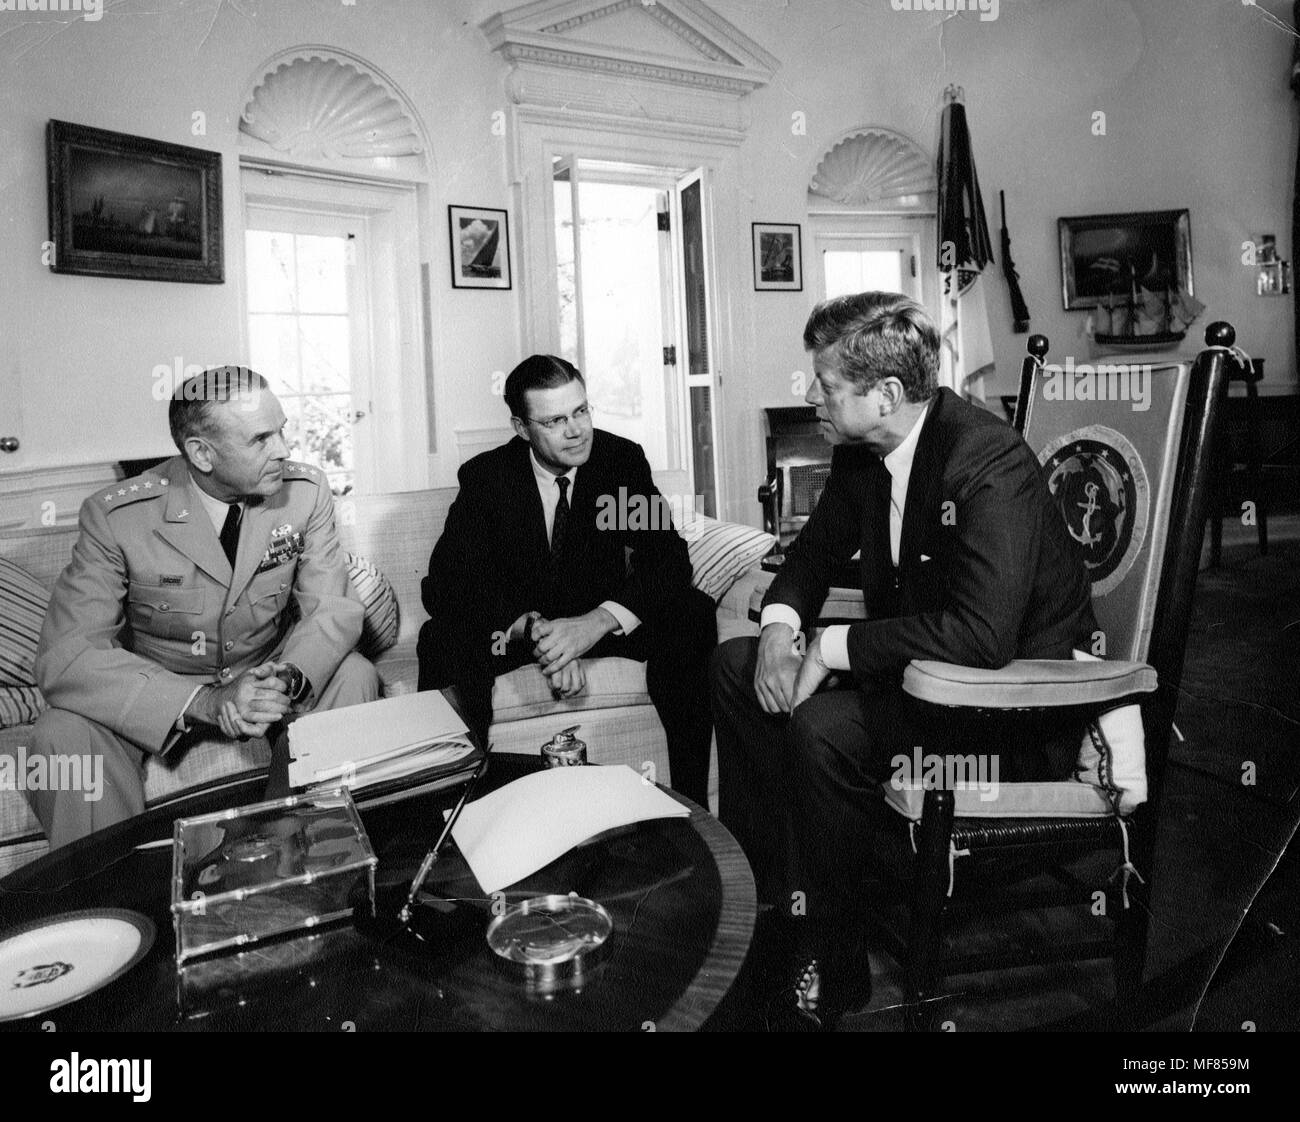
(611, 683)
(1027, 683)
(22, 608)
(721, 552)
(380, 626)
(19, 705)
(1061, 799)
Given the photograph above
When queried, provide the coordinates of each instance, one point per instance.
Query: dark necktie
(230, 532)
(561, 517)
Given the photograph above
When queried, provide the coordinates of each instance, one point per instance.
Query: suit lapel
(187, 527)
(530, 500)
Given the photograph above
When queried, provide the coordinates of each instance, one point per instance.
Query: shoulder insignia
(294, 470)
(133, 491)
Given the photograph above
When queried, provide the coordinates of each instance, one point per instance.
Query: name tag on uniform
(286, 544)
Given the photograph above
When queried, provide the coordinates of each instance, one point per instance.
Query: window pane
(322, 273)
(622, 316)
(273, 351)
(271, 271)
(320, 431)
(862, 270)
(326, 357)
(565, 268)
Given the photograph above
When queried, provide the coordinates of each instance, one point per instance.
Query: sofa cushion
(722, 552)
(380, 626)
(22, 608)
(19, 705)
(611, 683)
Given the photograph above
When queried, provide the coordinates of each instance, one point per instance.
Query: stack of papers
(527, 824)
(382, 750)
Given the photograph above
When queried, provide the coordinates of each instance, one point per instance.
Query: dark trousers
(796, 789)
(675, 649)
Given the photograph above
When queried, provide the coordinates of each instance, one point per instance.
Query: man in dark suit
(540, 562)
(964, 559)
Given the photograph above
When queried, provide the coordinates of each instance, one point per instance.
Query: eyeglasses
(554, 424)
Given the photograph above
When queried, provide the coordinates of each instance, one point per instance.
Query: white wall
(1198, 116)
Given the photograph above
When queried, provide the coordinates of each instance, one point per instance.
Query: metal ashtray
(554, 939)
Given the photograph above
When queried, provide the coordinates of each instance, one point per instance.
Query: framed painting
(778, 257)
(125, 206)
(1105, 258)
(480, 247)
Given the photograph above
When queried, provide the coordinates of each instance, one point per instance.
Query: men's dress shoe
(817, 994)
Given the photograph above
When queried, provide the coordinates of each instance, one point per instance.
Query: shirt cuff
(780, 613)
(180, 725)
(627, 621)
(835, 646)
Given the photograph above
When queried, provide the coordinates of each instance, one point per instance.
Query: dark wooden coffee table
(680, 893)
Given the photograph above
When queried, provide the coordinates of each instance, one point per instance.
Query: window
(300, 338)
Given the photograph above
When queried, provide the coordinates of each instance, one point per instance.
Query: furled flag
(964, 250)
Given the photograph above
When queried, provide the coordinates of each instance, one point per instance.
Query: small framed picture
(778, 257)
(480, 247)
(126, 206)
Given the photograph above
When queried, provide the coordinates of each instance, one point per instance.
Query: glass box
(243, 875)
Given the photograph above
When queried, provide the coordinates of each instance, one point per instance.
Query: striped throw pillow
(379, 630)
(22, 608)
(722, 552)
(19, 705)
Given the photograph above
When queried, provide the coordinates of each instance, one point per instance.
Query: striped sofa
(395, 533)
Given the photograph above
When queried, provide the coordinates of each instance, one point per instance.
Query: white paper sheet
(360, 738)
(527, 824)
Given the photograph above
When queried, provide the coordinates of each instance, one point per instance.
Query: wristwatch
(295, 682)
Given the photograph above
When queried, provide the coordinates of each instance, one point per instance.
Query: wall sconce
(1274, 276)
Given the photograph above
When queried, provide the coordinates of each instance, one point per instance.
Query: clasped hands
(783, 680)
(559, 644)
(248, 706)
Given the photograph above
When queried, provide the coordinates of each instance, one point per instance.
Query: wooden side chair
(1133, 484)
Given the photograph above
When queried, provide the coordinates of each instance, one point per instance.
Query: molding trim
(26, 493)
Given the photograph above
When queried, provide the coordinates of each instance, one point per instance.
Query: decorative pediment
(320, 103)
(679, 42)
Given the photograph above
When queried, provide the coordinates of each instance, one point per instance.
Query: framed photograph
(1104, 256)
(124, 206)
(480, 247)
(778, 257)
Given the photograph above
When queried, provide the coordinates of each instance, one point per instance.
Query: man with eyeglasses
(530, 569)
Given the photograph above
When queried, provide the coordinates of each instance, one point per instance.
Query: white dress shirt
(215, 507)
(550, 494)
(835, 639)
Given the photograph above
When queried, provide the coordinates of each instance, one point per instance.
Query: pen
(429, 858)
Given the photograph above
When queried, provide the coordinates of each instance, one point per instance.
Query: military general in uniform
(206, 598)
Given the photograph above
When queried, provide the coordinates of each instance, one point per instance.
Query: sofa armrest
(1027, 683)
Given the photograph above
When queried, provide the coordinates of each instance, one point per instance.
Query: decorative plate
(60, 959)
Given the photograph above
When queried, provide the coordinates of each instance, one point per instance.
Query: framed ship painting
(1108, 258)
(126, 206)
(480, 247)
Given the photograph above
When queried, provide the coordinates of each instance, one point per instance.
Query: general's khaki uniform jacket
(148, 609)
